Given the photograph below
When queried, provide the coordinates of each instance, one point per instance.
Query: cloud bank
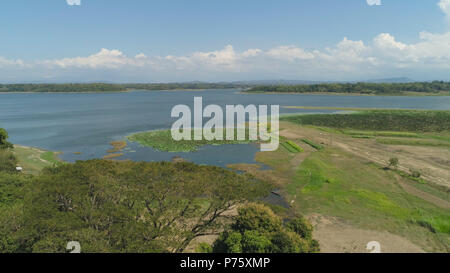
(445, 7)
(383, 56)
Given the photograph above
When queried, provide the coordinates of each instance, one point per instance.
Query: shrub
(415, 173)
(3, 137)
(312, 144)
(204, 248)
(393, 162)
(301, 226)
(8, 161)
(293, 147)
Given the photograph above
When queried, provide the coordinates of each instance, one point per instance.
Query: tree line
(358, 88)
(106, 87)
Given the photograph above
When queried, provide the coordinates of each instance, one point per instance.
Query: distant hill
(308, 82)
(279, 82)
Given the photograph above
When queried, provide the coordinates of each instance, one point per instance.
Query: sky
(232, 40)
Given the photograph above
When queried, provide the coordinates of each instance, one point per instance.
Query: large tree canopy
(126, 206)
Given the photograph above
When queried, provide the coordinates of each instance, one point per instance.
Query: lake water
(86, 122)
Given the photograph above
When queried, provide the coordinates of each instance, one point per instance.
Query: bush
(289, 242)
(415, 173)
(3, 137)
(312, 144)
(302, 227)
(204, 248)
(8, 161)
(292, 147)
(393, 162)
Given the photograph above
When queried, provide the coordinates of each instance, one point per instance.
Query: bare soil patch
(336, 236)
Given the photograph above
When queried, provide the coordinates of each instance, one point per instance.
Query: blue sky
(211, 40)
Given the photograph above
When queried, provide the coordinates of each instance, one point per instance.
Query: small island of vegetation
(161, 140)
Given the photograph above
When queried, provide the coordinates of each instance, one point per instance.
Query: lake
(86, 122)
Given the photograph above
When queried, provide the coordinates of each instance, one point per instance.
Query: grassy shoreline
(33, 159)
(354, 108)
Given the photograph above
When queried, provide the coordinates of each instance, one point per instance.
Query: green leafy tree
(258, 230)
(257, 217)
(301, 226)
(254, 241)
(129, 207)
(4, 144)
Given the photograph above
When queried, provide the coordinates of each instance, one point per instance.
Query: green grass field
(334, 183)
(33, 160)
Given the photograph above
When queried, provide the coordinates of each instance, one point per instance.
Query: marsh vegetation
(162, 140)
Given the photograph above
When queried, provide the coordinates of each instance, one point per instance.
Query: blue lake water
(86, 122)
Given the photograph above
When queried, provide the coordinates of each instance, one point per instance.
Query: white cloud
(109, 59)
(387, 42)
(433, 50)
(445, 7)
(290, 53)
(347, 59)
(374, 2)
(11, 63)
(74, 2)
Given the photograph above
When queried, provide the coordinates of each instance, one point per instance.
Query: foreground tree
(129, 207)
(258, 230)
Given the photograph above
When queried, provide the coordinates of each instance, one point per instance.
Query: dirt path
(381, 153)
(423, 195)
(432, 162)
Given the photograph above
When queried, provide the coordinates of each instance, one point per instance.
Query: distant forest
(426, 88)
(359, 88)
(106, 87)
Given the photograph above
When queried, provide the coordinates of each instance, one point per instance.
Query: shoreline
(357, 108)
(114, 92)
(243, 92)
